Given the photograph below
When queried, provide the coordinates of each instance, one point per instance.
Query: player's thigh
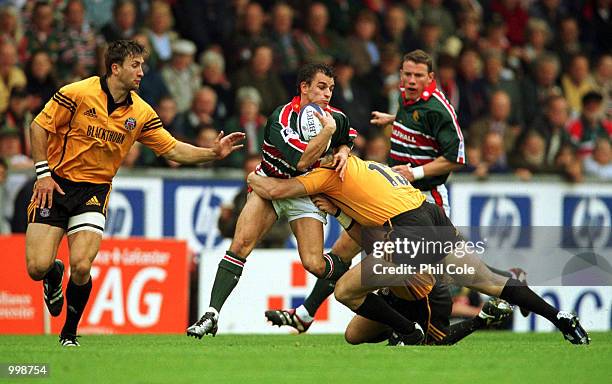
(42, 242)
(309, 234)
(361, 330)
(256, 218)
(345, 247)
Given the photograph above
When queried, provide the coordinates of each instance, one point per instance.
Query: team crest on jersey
(44, 212)
(130, 123)
(415, 116)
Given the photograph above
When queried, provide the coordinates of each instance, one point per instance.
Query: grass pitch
(494, 357)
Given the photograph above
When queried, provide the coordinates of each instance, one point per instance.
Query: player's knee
(80, 268)
(316, 266)
(351, 336)
(341, 293)
(37, 269)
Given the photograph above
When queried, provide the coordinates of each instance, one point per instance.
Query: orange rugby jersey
(86, 143)
(371, 193)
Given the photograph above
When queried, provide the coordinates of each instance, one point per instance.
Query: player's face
(319, 91)
(130, 72)
(414, 78)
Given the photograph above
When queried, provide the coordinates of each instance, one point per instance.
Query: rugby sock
(76, 299)
(53, 275)
(334, 267)
(516, 292)
(321, 291)
(228, 274)
(460, 330)
(376, 308)
(303, 314)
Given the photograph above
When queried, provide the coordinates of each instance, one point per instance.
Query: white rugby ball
(309, 124)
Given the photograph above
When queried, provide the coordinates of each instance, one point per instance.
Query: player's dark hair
(120, 50)
(419, 57)
(307, 73)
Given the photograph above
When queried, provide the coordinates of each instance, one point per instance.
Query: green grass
(496, 357)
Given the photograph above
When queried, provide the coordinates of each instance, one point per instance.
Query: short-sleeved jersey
(424, 130)
(89, 135)
(283, 147)
(371, 193)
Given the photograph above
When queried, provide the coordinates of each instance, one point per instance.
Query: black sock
(76, 299)
(500, 272)
(53, 275)
(321, 291)
(334, 267)
(377, 309)
(519, 294)
(460, 330)
(228, 274)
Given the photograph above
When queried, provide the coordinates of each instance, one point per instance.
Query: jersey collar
(426, 95)
(295, 105)
(110, 103)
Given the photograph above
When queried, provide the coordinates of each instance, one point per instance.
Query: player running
(286, 155)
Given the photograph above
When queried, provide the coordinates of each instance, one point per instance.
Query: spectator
(286, 49)
(577, 82)
(182, 76)
(383, 80)
(446, 77)
(352, 97)
(11, 29)
(167, 112)
(123, 25)
(152, 86)
(98, 12)
(603, 79)
(598, 25)
(251, 33)
(538, 39)
(318, 43)
(469, 29)
(599, 165)
(41, 33)
(396, 30)
(568, 41)
(471, 93)
(276, 237)
(494, 159)
(552, 126)
(498, 121)
(362, 44)
(205, 138)
(213, 75)
(377, 149)
(18, 118)
(435, 10)
(590, 125)
(19, 221)
(5, 227)
(41, 80)
(495, 78)
(205, 22)
(250, 121)
(429, 38)
(160, 34)
(415, 13)
(11, 76)
(10, 150)
(259, 75)
(77, 45)
(202, 112)
(530, 157)
(550, 11)
(539, 88)
(514, 17)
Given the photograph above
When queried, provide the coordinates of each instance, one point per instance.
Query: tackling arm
(271, 188)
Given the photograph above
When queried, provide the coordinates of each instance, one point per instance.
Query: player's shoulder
(75, 91)
(336, 112)
(439, 106)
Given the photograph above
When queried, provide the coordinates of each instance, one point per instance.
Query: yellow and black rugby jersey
(416, 287)
(371, 193)
(89, 135)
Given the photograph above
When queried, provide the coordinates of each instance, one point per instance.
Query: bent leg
(309, 235)
(42, 242)
(362, 330)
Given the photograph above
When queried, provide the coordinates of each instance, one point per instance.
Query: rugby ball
(309, 124)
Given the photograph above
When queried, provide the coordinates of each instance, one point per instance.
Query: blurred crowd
(531, 80)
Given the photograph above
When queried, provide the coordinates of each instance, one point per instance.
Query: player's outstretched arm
(188, 154)
(271, 188)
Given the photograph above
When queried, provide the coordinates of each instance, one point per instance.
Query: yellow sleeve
(59, 109)
(155, 136)
(320, 180)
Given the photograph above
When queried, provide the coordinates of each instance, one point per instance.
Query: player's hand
(223, 146)
(43, 192)
(327, 121)
(324, 204)
(404, 170)
(381, 119)
(340, 161)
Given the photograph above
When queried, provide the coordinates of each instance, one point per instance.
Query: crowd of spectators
(531, 80)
